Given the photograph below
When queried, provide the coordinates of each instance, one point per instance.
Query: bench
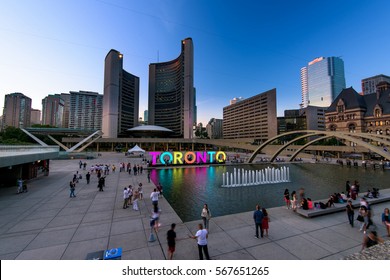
(339, 207)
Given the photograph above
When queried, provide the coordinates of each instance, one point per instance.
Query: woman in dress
(265, 221)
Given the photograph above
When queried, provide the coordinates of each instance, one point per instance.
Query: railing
(5, 150)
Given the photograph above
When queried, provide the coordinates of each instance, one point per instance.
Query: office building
(121, 97)
(253, 117)
(146, 116)
(369, 85)
(35, 116)
(53, 110)
(309, 118)
(214, 129)
(321, 81)
(65, 118)
(85, 110)
(17, 110)
(172, 93)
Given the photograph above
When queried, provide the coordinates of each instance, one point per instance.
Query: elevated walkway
(339, 207)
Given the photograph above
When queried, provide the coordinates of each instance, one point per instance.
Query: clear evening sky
(241, 48)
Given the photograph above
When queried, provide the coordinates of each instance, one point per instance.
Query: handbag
(360, 218)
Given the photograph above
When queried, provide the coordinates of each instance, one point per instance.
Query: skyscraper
(321, 81)
(85, 110)
(17, 110)
(172, 93)
(121, 97)
(53, 110)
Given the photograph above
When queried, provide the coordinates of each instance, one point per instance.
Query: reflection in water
(187, 189)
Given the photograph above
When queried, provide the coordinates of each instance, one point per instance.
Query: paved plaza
(46, 224)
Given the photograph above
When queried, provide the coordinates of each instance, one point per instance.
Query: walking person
(72, 186)
(125, 198)
(100, 185)
(140, 191)
(171, 238)
(155, 217)
(350, 212)
(88, 177)
(201, 235)
(371, 239)
(154, 197)
(286, 197)
(265, 222)
(206, 215)
(258, 218)
(130, 200)
(135, 200)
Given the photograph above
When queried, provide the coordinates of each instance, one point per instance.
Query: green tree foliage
(14, 136)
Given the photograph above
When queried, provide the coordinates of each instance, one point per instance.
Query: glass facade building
(321, 81)
(172, 93)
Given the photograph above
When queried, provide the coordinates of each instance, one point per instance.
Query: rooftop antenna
(158, 56)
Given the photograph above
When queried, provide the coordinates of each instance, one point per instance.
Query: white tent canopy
(136, 149)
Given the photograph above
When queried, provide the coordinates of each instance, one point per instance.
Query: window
(352, 128)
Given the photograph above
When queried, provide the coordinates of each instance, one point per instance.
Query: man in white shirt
(202, 236)
(125, 198)
(154, 197)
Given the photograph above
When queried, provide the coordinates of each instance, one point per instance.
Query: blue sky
(242, 48)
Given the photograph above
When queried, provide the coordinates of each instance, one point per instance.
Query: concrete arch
(289, 144)
(328, 134)
(269, 141)
(307, 145)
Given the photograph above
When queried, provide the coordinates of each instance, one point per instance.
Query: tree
(14, 136)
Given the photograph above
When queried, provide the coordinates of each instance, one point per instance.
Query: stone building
(351, 112)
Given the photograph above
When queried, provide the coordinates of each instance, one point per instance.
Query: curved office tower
(120, 99)
(171, 93)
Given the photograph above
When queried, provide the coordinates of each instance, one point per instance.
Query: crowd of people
(351, 194)
(133, 195)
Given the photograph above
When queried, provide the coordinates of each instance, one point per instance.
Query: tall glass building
(321, 81)
(172, 93)
(120, 97)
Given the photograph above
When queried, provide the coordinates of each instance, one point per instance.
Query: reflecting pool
(187, 189)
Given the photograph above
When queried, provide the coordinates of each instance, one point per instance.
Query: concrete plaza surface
(46, 224)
